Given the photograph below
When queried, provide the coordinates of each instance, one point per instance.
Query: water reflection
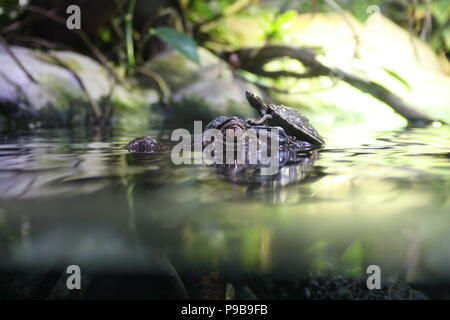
(71, 199)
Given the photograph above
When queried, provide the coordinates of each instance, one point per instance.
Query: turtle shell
(294, 123)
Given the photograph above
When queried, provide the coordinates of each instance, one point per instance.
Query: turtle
(291, 120)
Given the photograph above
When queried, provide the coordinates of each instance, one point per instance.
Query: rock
(336, 284)
(57, 96)
(212, 84)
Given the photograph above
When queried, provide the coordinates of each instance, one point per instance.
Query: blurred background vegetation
(108, 22)
(351, 59)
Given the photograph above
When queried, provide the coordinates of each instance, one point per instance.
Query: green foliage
(440, 39)
(441, 11)
(276, 25)
(201, 10)
(179, 41)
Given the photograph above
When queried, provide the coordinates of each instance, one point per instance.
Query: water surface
(72, 197)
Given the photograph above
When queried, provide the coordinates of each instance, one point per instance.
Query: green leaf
(397, 76)
(441, 10)
(286, 17)
(179, 41)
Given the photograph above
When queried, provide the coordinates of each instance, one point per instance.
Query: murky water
(139, 226)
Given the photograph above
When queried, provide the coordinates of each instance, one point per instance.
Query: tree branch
(253, 59)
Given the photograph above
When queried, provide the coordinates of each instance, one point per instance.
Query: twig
(428, 21)
(342, 14)
(18, 24)
(107, 110)
(16, 60)
(183, 16)
(282, 73)
(42, 11)
(411, 18)
(52, 16)
(164, 89)
(38, 42)
(274, 88)
(95, 108)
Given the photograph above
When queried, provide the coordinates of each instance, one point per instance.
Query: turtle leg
(261, 121)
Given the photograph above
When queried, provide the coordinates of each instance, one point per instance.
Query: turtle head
(256, 102)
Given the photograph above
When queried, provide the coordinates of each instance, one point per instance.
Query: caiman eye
(233, 130)
(234, 127)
